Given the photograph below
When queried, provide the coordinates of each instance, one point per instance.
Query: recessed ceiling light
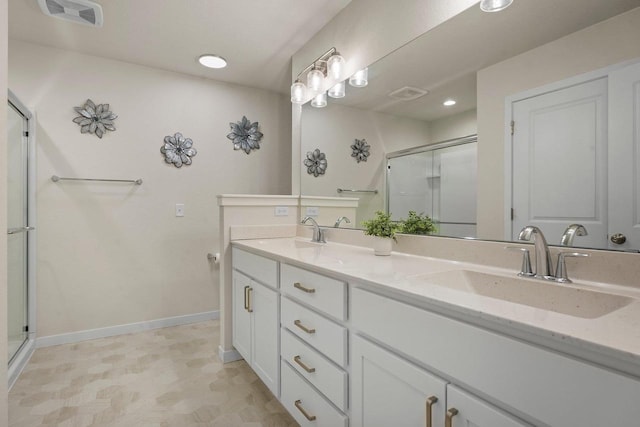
(449, 103)
(212, 61)
(494, 5)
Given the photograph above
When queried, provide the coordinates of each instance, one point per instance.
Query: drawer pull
(249, 307)
(430, 401)
(448, 422)
(298, 285)
(246, 306)
(304, 328)
(303, 365)
(298, 404)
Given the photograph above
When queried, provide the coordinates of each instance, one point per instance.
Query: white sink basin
(559, 298)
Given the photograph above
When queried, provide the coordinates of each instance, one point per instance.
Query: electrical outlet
(313, 211)
(179, 209)
(282, 211)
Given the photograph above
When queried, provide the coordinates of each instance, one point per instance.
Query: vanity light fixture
(494, 5)
(338, 90)
(328, 65)
(212, 61)
(360, 78)
(449, 103)
(320, 100)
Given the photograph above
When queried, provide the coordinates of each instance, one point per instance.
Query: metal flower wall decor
(178, 150)
(95, 119)
(245, 135)
(316, 162)
(360, 150)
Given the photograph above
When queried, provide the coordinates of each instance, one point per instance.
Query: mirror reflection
(566, 83)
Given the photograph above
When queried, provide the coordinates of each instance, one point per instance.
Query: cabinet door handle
(246, 305)
(448, 422)
(304, 328)
(249, 306)
(303, 365)
(298, 404)
(430, 401)
(298, 285)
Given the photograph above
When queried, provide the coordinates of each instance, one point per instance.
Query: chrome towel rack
(346, 190)
(56, 178)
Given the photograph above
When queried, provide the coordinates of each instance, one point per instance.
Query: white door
(387, 390)
(624, 158)
(560, 163)
(264, 330)
(466, 410)
(241, 316)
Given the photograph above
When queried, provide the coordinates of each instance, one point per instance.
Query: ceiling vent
(80, 11)
(408, 93)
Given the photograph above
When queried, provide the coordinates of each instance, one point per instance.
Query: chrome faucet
(543, 263)
(572, 231)
(339, 220)
(318, 233)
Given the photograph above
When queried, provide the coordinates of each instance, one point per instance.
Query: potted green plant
(384, 230)
(417, 224)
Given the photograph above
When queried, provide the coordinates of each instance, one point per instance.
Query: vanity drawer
(323, 293)
(321, 333)
(309, 402)
(326, 377)
(262, 269)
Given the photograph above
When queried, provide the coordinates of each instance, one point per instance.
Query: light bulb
(494, 5)
(338, 90)
(320, 100)
(298, 92)
(360, 78)
(315, 80)
(335, 66)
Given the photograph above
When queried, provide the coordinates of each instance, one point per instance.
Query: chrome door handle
(17, 230)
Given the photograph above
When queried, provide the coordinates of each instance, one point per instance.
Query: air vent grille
(79, 11)
(408, 93)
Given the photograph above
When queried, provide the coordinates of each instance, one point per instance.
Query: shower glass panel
(17, 222)
(437, 180)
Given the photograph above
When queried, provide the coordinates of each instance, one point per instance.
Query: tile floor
(165, 377)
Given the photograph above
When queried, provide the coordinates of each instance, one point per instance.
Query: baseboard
(21, 360)
(129, 328)
(227, 356)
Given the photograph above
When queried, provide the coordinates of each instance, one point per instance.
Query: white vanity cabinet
(255, 316)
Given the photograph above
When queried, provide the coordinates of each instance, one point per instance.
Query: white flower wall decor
(316, 162)
(178, 150)
(95, 119)
(245, 135)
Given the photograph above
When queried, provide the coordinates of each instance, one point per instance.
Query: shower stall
(20, 236)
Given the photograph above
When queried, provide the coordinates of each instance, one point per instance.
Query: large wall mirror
(565, 72)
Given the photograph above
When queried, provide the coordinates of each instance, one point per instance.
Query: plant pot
(382, 246)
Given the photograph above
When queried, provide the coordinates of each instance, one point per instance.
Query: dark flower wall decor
(245, 135)
(360, 150)
(178, 150)
(316, 162)
(95, 119)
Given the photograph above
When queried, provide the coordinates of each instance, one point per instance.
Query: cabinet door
(387, 390)
(466, 410)
(265, 355)
(241, 316)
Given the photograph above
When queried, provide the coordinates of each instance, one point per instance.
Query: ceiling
(257, 38)
(445, 60)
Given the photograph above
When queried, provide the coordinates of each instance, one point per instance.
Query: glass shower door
(18, 228)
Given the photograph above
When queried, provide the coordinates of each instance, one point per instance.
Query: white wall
(598, 46)
(452, 127)
(4, 12)
(333, 130)
(111, 254)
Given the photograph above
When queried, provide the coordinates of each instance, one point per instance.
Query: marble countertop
(611, 339)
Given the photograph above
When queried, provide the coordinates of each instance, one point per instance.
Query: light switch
(313, 211)
(282, 211)
(179, 209)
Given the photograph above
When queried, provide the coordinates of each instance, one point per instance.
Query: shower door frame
(23, 355)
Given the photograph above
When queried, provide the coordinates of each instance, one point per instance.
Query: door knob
(618, 238)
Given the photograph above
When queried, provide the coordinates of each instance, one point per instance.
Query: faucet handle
(561, 269)
(525, 269)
